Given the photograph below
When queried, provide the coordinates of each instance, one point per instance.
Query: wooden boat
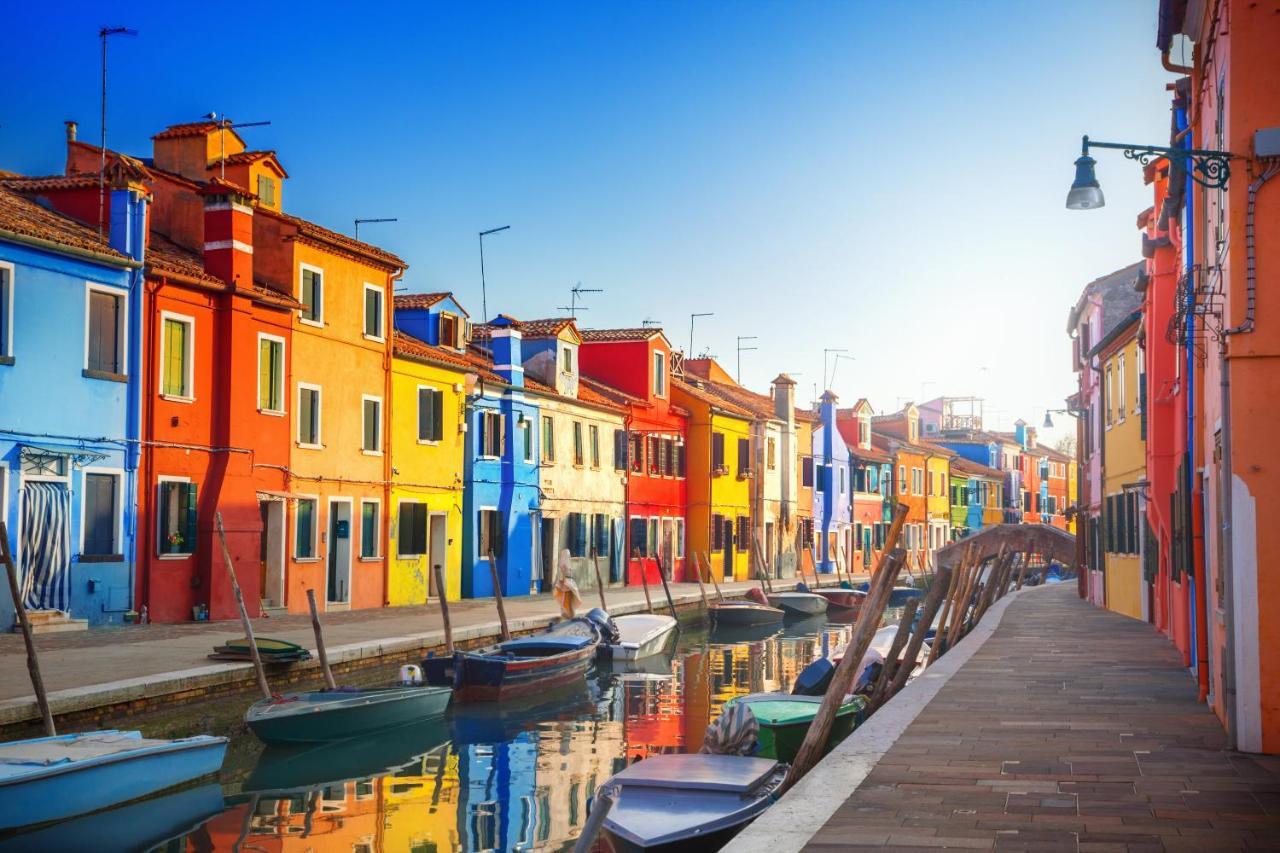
(269, 651)
(850, 599)
(799, 603)
(741, 612)
(640, 636)
(148, 824)
(329, 715)
(54, 778)
(898, 597)
(784, 721)
(687, 802)
(519, 667)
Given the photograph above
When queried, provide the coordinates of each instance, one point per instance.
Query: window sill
(100, 558)
(319, 324)
(177, 398)
(306, 559)
(369, 559)
(271, 413)
(370, 452)
(377, 339)
(174, 556)
(104, 375)
(429, 442)
(6, 359)
(304, 446)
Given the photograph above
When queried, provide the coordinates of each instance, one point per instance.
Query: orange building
(898, 434)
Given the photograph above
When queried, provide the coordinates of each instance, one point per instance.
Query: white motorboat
(640, 635)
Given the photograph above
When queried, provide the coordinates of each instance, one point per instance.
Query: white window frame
(118, 473)
(381, 337)
(319, 442)
(8, 309)
(315, 530)
(417, 427)
(189, 358)
(482, 556)
(593, 446)
(1120, 379)
(364, 398)
(572, 352)
(525, 428)
(377, 536)
(659, 368)
(319, 321)
(284, 354)
(122, 321)
(679, 534)
(482, 434)
(160, 481)
(426, 543)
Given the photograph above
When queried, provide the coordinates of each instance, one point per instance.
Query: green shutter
(437, 415)
(190, 504)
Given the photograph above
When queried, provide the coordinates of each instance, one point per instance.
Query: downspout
(133, 416)
(384, 521)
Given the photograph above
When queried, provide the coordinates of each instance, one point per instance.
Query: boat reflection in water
(511, 776)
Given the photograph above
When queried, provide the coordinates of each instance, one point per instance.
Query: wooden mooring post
(711, 573)
(595, 564)
(320, 649)
(666, 590)
(442, 594)
(932, 601)
(644, 578)
(28, 638)
(497, 597)
(697, 573)
(244, 613)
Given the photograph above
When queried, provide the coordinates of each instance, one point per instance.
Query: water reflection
(508, 777)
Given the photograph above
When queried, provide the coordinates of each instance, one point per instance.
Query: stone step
(41, 617)
(56, 626)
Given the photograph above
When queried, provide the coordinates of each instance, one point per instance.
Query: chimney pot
(71, 130)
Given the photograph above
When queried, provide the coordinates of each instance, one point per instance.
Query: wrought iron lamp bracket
(1210, 169)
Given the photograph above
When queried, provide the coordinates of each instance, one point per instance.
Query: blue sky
(870, 176)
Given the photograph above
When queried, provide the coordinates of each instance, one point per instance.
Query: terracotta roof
(700, 392)
(547, 328)
(609, 335)
(49, 183)
(759, 405)
(968, 466)
(248, 157)
(933, 447)
(192, 128)
(590, 398)
(333, 240)
(268, 295)
(848, 430)
(24, 217)
(1053, 452)
(415, 301)
(610, 393)
(588, 394)
(410, 347)
(807, 415)
(165, 257)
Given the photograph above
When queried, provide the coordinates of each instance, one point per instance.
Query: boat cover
(700, 772)
(46, 752)
(543, 644)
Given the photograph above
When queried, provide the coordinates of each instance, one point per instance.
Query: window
(771, 451)
(548, 439)
(1108, 383)
(917, 481)
(717, 452)
(593, 441)
(600, 534)
(578, 454)
(806, 472)
(491, 532)
(449, 331)
(743, 538)
(305, 529)
(842, 477)
(620, 450)
(266, 191)
(101, 507)
(660, 374)
(637, 453)
(653, 537)
(308, 415)
(177, 517)
(638, 534)
(177, 338)
(679, 538)
(902, 479)
(744, 456)
(6, 313)
(576, 534)
(679, 453)
(655, 456)
(374, 313)
(411, 538)
(270, 374)
(717, 532)
(525, 428)
(430, 413)
(566, 360)
(371, 438)
(312, 296)
(491, 437)
(1120, 399)
(370, 529)
(913, 430)
(105, 330)
(864, 432)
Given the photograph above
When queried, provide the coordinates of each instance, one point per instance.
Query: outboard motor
(801, 586)
(604, 623)
(814, 678)
(410, 674)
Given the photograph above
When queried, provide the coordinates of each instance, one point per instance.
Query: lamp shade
(1085, 193)
(1048, 421)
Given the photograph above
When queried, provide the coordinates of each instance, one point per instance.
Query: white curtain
(46, 546)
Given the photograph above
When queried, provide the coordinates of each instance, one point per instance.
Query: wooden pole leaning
(950, 593)
(244, 613)
(320, 649)
(697, 573)
(959, 622)
(887, 671)
(595, 564)
(666, 589)
(497, 597)
(846, 672)
(711, 573)
(33, 662)
(644, 579)
(932, 601)
(442, 593)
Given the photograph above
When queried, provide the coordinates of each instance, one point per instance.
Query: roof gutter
(63, 249)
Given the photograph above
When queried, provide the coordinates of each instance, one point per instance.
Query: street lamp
(1210, 169)
(1048, 420)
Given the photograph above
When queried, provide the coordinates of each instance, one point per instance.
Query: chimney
(71, 130)
(504, 343)
(228, 233)
(1020, 432)
(127, 207)
(784, 398)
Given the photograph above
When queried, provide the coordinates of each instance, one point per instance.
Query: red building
(633, 367)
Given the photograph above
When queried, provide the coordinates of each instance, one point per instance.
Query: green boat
(784, 721)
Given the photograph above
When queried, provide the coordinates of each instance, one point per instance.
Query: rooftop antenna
(104, 34)
(484, 293)
(574, 292)
(360, 222)
(693, 317)
(835, 364)
(742, 349)
(647, 323)
(224, 124)
(825, 353)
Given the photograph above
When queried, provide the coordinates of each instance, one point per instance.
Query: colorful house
(582, 458)
(68, 467)
(872, 505)
(500, 492)
(633, 367)
(431, 374)
(900, 434)
(805, 420)
(720, 470)
(832, 490)
(938, 498)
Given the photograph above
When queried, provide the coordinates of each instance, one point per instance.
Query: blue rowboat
(329, 715)
(54, 778)
(522, 667)
(688, 802)
(147, 824)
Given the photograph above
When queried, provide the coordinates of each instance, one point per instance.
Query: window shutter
(190, 504)
(437, 415)
(619, 450)
(425, 419)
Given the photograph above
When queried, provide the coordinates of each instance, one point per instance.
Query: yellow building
(1124, 468)
(428, 388)
(420, 804)
(938, 497)
(719, 472)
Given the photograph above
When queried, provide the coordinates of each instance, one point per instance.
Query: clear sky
(886, 178)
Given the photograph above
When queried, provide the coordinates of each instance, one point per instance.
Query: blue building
(71, 305)
(832, 489)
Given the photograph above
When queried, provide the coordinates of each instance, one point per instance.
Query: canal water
(501, 777)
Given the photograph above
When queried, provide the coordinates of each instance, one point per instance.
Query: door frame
(331, 543)
(281, 506)
(431, 550)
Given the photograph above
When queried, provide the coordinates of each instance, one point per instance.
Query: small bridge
(1048, 542)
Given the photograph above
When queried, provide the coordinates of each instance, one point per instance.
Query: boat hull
(799, 603)
(332, 716)
(846, 598)
(782, 742)
(745, 613)
(481, 677)
(64, 790)
(652, 637)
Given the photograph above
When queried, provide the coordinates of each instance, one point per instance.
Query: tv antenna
(225, 124)
(648, 323)
(360, 222)
(574, 292)
(104, 34)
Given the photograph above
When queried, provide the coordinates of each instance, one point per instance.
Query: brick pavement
(1072, 728)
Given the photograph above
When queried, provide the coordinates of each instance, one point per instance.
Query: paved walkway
(1071, 728)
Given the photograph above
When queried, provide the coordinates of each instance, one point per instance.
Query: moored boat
(54, 778)
(850, 599)
(739, 612)
(329, 715)
(799, 603)
(640, 635)
(784, 721)
(688, 802)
